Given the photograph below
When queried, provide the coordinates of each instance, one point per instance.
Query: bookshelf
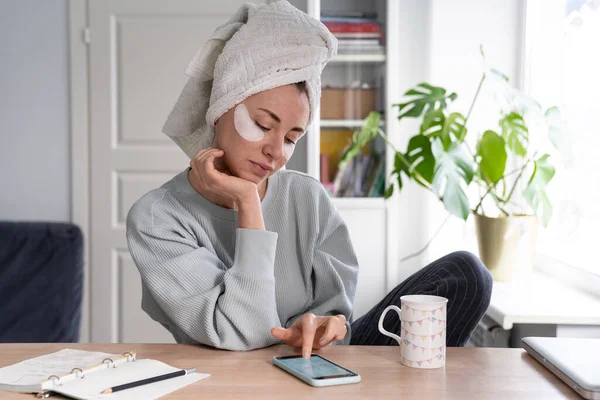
(354, 83)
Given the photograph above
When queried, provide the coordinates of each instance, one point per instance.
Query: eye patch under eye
(288, 150)
(244, 125)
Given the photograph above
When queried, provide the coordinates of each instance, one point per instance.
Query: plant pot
(507, 245)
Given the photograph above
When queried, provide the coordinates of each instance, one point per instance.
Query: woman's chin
(252, 177)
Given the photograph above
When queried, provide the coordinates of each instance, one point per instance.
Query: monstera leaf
(436, 124)
(452, 174)
(515, 133)
(389, 191)
(400, 165)
(420, 158)
(535, 192)
(418, 163)
(433, 125)
(456, 126)
(426, 98)
(364, 135)
(491, 150)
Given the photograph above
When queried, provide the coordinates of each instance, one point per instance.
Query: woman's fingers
(208, 158)
(312, 332)
(203, 165)
(204, 153)
(281, 333)
(209, 163)
(341, 333)
(200, 155)
(330, 332)
(335, 330)
(290, 336)
(197, 163)
(308, 334)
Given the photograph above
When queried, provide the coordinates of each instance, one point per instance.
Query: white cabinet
(365, 222)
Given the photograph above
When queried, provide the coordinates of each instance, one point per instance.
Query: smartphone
(316, 371)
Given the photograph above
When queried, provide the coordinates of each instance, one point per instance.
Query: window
(562, 67)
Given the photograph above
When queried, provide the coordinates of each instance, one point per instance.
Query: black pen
(149, 380)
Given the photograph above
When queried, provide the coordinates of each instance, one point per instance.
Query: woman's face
(258, 135)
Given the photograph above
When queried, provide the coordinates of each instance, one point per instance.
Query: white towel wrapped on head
(263, 46)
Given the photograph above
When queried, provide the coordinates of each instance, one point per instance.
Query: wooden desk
(470, 373)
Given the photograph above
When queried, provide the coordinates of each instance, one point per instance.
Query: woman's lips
(261, 169)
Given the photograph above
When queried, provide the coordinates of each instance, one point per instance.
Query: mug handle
(380, 325)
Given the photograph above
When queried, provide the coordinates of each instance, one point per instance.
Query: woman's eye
(290, 141)
(261, 127)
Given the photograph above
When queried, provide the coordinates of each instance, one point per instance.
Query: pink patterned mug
(422, 338)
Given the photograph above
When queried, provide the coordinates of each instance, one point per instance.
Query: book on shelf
(329, 15)
(324, 168)
(341, 179)
(354, 47)
(363, 176)
(360, 45)
(376, 187)
(357, 42)
(380, 51)
(354, 35)
(325, 173)
(372, 28)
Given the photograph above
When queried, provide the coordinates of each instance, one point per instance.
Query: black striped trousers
(460, 277)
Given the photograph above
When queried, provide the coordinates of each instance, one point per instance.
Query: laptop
(575, 361)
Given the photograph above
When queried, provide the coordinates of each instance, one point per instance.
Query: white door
(137, 56)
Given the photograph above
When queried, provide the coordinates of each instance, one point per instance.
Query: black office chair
(41, 282)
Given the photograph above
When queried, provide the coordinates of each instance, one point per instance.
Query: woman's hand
(312, 332)
(242, 193)
(209, 179)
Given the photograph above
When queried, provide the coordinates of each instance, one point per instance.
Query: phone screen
(316, 367)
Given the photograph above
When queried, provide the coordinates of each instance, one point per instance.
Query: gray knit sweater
(209, 282)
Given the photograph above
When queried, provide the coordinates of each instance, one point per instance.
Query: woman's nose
(274, 146)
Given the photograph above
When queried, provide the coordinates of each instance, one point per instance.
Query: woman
(238, 253)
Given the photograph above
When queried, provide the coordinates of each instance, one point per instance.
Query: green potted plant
(499, 175)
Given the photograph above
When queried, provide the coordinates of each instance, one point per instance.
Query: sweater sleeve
(335, 268)
(231, 308)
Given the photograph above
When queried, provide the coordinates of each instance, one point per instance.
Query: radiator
(489, 333)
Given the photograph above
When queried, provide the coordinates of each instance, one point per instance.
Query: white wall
(414, 68)
(34, 113)
(450, 58)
